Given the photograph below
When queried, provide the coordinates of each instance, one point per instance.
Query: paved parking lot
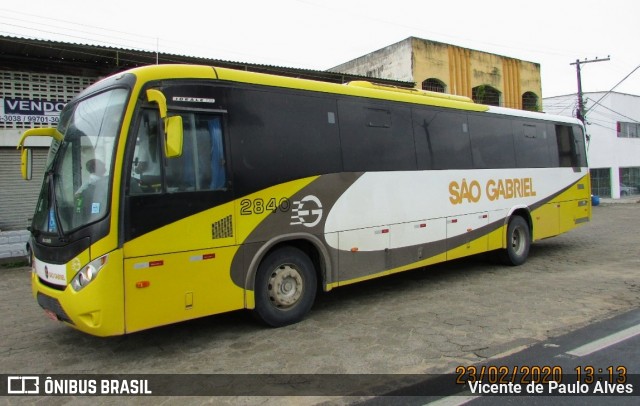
(424, 321)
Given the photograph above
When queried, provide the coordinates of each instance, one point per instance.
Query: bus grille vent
(222, 228)
(51, 304)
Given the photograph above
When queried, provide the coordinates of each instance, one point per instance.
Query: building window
(629, 181)
(433, 85)
(601, 182)
(530, 101)
(485, 94)
(628, 130)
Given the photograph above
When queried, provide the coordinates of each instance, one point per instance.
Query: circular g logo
(307, 211)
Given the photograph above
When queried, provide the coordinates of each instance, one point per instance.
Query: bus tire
(285, 287)
(518, 242)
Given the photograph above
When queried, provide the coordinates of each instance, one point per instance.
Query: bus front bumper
(97, 309)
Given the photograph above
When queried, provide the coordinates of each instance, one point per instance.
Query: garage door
(18, 197)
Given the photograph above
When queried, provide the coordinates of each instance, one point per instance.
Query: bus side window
(217, 161)
(445, 137)
(492, 143)
(570, 146)
(532, 144)
(579, 143)
(201, 165)
(146, 175)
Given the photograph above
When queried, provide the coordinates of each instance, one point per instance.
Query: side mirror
(26, 154)
(173, 130)
(172, 125)
(26, 163)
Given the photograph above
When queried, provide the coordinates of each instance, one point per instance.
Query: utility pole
(581, 112)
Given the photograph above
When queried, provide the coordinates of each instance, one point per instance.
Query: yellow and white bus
(174, 192)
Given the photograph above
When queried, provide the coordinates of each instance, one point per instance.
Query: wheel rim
(518, 240)
(285, 286)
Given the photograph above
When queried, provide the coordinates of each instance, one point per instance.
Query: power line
(600, 125)
(420, 28)
(560, 107)
(74, 23)
(148, 43)
(617, 84)
(613, 111)
(69, 36)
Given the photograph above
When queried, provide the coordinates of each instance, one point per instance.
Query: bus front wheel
(285, 287)
(518, 242)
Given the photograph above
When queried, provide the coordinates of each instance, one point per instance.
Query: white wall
(605, 149)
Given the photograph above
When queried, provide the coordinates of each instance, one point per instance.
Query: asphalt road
(427, 321)
(596, 364)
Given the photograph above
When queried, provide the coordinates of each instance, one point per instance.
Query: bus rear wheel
(518, 242)
(285, 287)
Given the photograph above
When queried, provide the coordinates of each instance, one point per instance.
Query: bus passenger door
(466, 235)
(179, 226)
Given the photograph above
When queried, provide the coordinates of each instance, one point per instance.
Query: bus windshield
(78, 174)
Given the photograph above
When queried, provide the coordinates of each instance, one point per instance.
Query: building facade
(613, 147)
(38, 77)
(487, 78)
(29, 99)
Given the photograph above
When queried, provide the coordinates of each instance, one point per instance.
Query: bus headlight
(88, 273)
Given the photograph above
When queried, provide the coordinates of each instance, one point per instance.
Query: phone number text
(12, 118)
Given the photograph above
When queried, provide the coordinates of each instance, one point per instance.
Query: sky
(321, 34)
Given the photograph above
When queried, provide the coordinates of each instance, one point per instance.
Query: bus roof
(357, 88)
(534, 115)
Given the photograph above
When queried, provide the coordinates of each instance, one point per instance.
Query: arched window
(486, 94)
(433, 85)
(530, 101)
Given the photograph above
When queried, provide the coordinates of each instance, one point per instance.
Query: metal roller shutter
(17, 196)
